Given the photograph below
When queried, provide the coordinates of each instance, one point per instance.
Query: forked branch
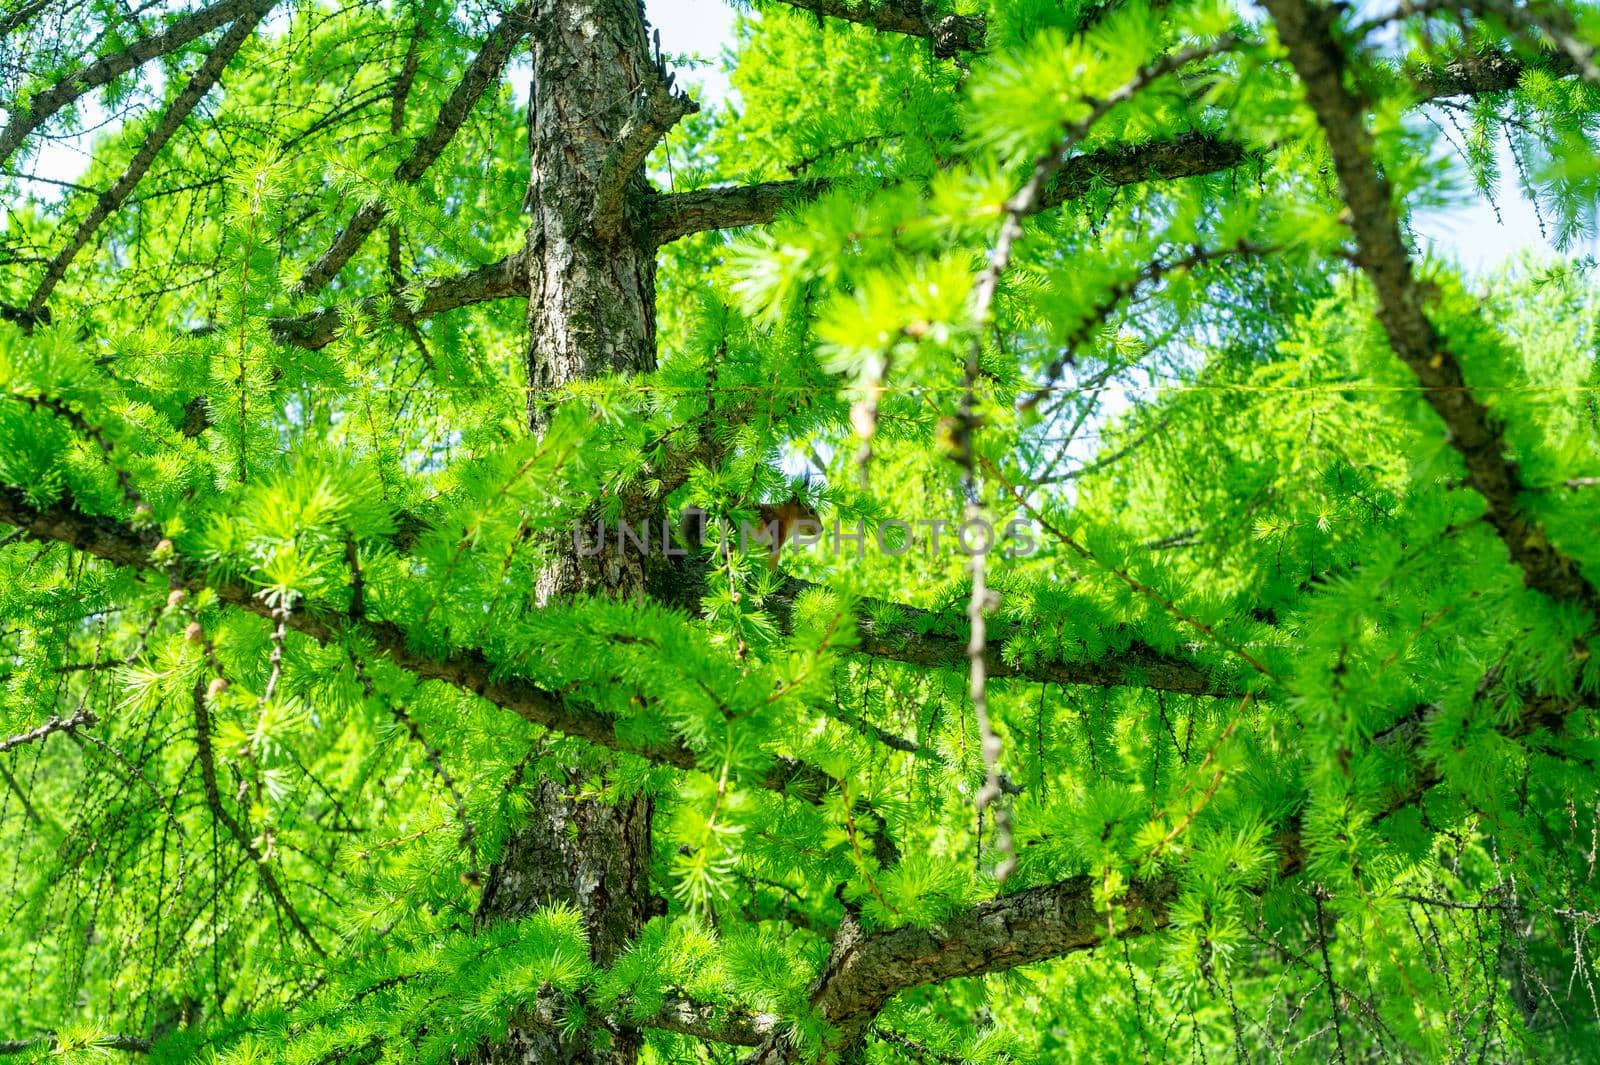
(658, 110)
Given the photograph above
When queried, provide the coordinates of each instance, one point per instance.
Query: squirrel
(787, 516)
(779, 521)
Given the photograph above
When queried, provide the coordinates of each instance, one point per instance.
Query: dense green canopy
(323, 740)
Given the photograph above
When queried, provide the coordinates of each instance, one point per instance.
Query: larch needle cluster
(993, 540)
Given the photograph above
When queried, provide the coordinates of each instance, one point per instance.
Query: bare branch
(680, 214)
(55, 724)
(658, 111)
(1028, 201)
(713, 1023)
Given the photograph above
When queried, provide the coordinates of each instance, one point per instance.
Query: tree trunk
(596, 857)
(591, 311)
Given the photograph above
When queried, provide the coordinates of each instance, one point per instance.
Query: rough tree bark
(592, 855)
(597, 95)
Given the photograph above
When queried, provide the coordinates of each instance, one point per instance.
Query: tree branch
(483, 72)
(1482, 73)
(658, 111)
(677, 215)
(680, 214)
(128, 1043)
(55, 724)
(467, 669)
(934, 641)
(113, 198)
(716, 1024)
(21, 15)
(949, 34)
(42, 105)
(1307, 32)
(505, 278)
(864, 971)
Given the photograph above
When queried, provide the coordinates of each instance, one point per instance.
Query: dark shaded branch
(1539, 21)
(934, 641)
(42, 105)
(483, 72)
(503, 279)
(1544, 713)
(28, 808)
(113, 198)
(1307, 32)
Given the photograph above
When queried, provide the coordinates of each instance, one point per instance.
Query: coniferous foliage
(341, 721)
